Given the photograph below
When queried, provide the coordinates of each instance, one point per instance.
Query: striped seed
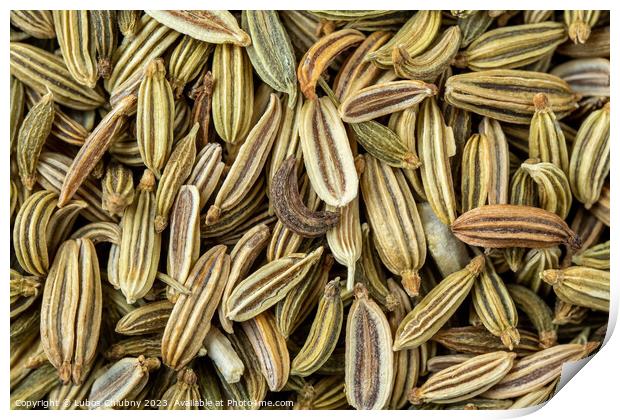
(269, 284)
(327, 155)
(432, 312)
(464, 380)
(71, 310)
(504, 226)
(391, 210)
(214, 26)
(324, 332)
(190, 318)
(233, 92)
(155, 117)
(369, 361)
(582, 286)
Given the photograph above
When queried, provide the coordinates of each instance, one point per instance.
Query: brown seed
(291, 210)
(505, 226)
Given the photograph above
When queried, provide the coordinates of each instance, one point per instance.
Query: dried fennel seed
(334, 209)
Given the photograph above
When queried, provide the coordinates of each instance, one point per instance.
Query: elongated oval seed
(553, 187)
(393, 215)
(580, 23)
(269, 284)
(42, 70)
(184, 394)
(384, 98)
(597, 256)
(369, 361)
(357, 73)
(302, 299)
(537, 312)
(186, 61)
(253, 384)
(155, 117)
(546, 139)
(513, 46)
(140, 245)
(406, 362)
(94, 147)
(324, 332)
(586, 76)
(271, 51)
(478, 340)
(432, 63)
(36, 23)
(208, 168)
(327, 155)
(582, 286)
(414, 36)
(214, 26)
(103, 25)
(475, 172)
(33, 133)
(270, 348)
(233, 93)
(61, 224)
(507, 94)
(506, 225)
(243, 255)
(249, 162)
(71, 310)
(30, 245)
(436, 146)
(184, 242)
(117, 188)
(131, 373)
(432, 312)
(384, 144)
(464, 380)
(151, 40)
(500, 160)
(146, 319)
(320, 55)
(177, 169)
(537, 370)
(495, 307)
(589, 163)
(190, 318)
(474, 25)
(77, 46)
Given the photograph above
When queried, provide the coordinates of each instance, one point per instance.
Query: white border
(592, 394)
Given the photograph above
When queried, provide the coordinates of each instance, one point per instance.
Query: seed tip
(541, 102)
(213, 215)
(360, 291)
(411, 282)
(414, 396)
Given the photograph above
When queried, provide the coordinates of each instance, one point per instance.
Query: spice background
(340, 209)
